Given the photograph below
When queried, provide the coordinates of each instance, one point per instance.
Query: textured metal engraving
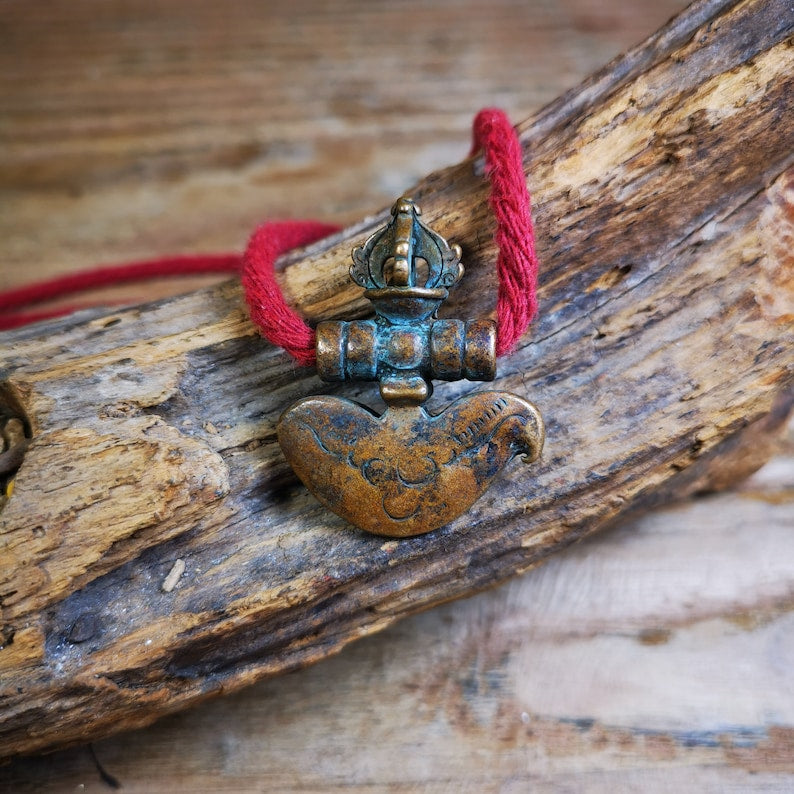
(407, 471)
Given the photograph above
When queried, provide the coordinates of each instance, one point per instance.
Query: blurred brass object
(406, 472)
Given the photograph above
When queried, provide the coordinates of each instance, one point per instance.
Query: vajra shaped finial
(407, 471)
(390, 258)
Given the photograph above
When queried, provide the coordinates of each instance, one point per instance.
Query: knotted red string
(517, 265)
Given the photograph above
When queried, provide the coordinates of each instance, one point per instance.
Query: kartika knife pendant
(407, 471)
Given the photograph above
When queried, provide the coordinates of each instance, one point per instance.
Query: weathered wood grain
(657, 343)
(652, 657)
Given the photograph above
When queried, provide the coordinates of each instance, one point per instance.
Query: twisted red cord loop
(517, 263)
(277, 321)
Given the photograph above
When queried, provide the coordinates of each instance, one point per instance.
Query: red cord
(13, 300)
(517, 265)
(279, 323)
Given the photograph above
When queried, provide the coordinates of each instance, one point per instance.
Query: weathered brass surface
(406, 472)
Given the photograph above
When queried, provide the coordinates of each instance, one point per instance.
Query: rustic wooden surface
(104, 198)
(655, 657)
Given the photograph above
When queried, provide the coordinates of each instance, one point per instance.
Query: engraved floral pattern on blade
(407, 472)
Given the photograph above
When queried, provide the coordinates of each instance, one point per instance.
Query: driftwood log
(651, 657)
(663, 204)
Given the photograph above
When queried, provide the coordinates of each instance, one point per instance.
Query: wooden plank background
(655, 657)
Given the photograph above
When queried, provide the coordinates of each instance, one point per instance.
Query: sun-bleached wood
(662, 200)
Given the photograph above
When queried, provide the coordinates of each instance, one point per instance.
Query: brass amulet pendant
(407, 471)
